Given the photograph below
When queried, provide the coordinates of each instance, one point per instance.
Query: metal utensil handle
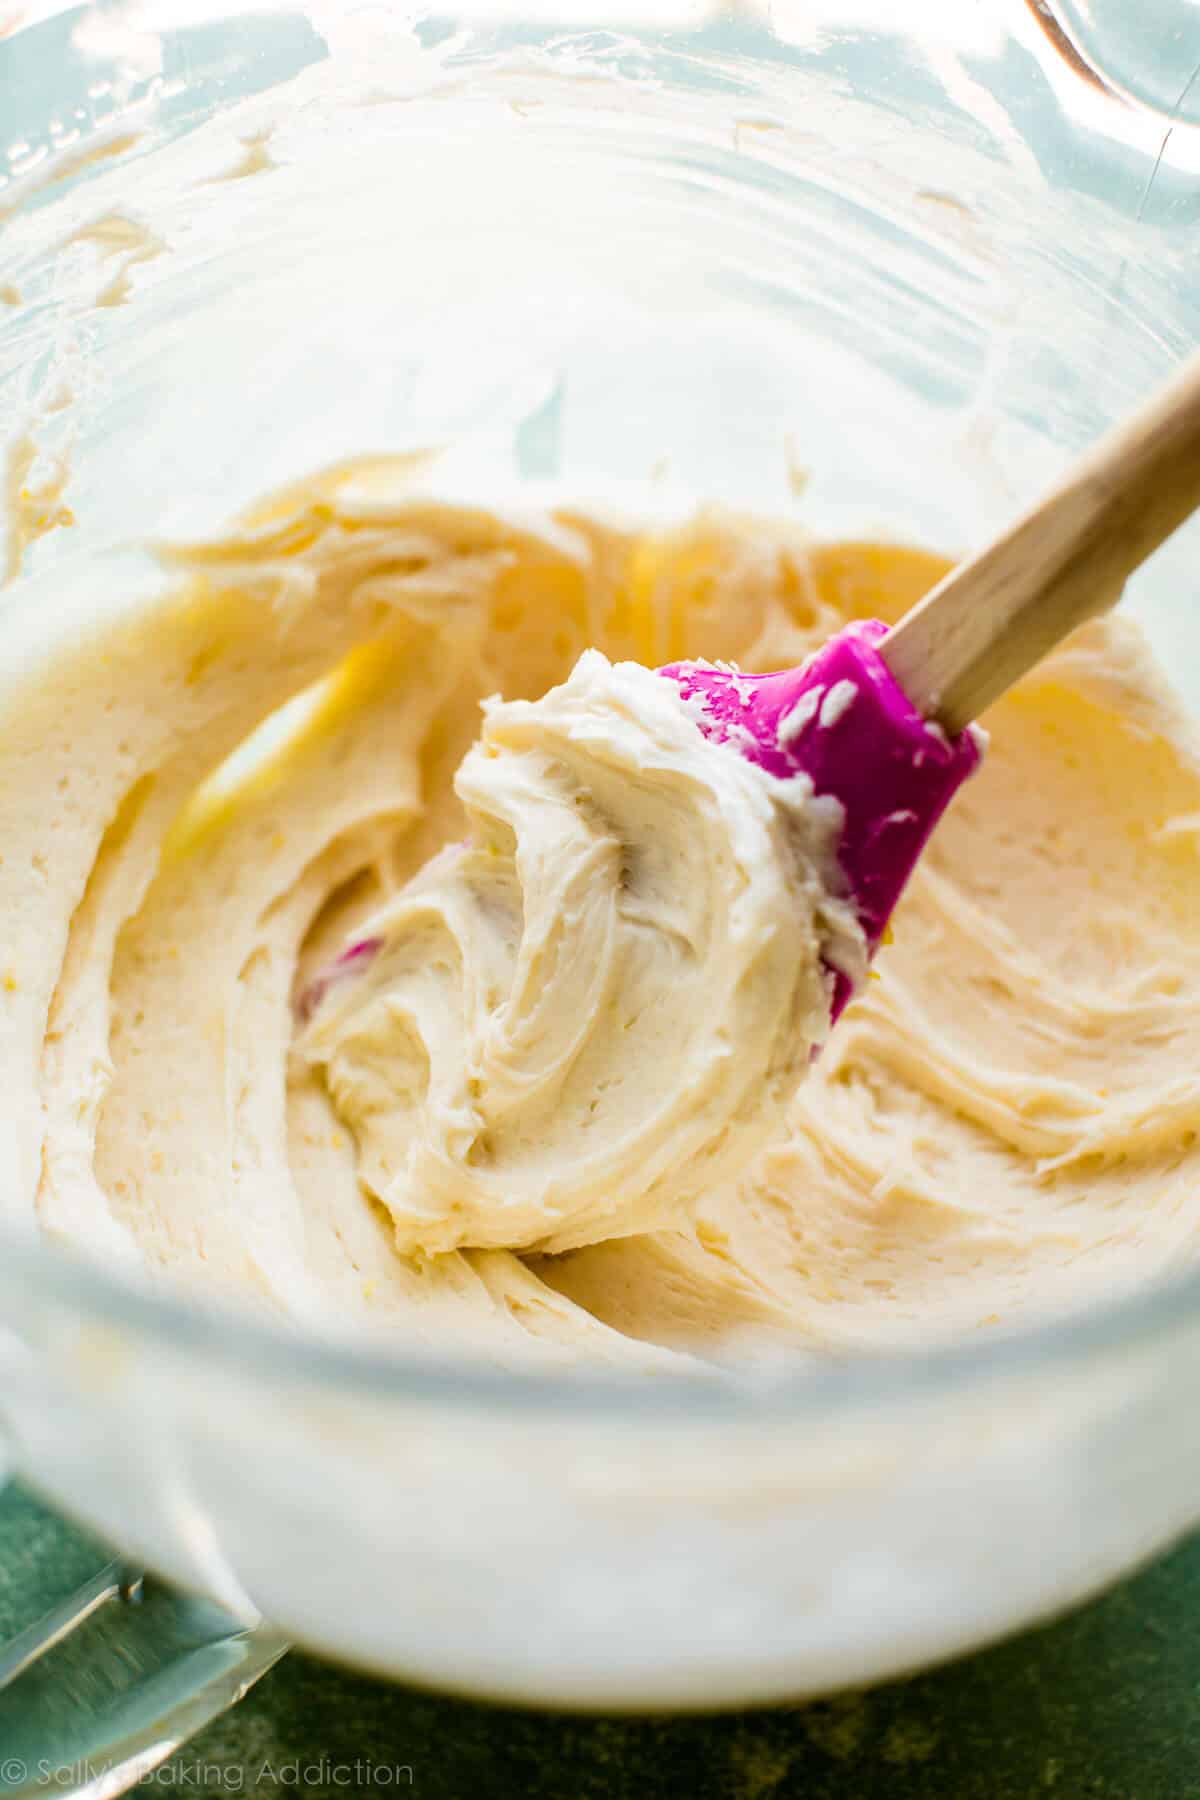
(189, 1662)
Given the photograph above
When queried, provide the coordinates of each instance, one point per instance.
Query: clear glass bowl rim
(221, 1334)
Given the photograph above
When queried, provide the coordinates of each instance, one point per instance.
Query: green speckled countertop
(1105, 1703)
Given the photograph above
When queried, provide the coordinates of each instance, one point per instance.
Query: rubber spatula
(882, 719)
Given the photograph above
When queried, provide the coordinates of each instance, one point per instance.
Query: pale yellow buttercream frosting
(577, 1023)
(204, 797)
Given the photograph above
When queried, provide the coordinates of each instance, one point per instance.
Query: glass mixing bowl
(924, 263)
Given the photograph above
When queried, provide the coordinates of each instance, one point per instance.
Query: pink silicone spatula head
(843, 720)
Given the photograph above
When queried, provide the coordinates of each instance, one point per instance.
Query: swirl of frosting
(572, 1026)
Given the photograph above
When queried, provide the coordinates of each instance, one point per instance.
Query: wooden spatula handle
(995, 616)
